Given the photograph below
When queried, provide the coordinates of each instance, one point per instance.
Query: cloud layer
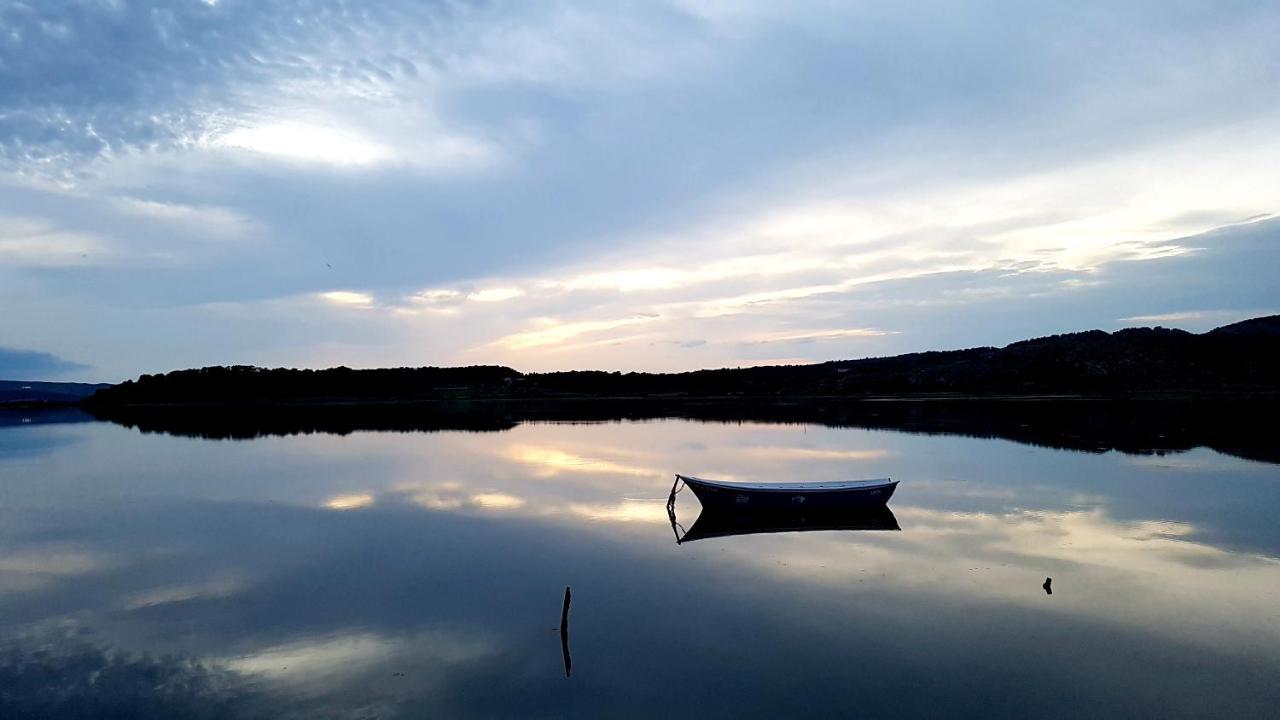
(32, 365)
(661, 185)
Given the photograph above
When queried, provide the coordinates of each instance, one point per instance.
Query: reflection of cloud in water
(497, 501)
(456, 496)
(243, 560)
(964, 489)
(807, 453)
(549, 461)
(62, 674)
(35, 568)
(1197, 460)
(627, 511)
(309, 661)
(1143, 573)
(218, 588)
(305, 659)
(352, 501)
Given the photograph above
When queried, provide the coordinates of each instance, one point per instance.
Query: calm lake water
(383, 574)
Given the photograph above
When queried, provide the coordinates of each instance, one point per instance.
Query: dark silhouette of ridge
(1144, 390)
(1141, 391)
(1240, 359)
(1268, 326)
(26, 393)
(244, 384)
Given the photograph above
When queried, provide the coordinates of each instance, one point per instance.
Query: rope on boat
(676, 487)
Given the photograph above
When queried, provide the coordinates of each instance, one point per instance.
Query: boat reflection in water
(726, 523)
(725, 520)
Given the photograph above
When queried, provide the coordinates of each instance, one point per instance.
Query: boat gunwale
(805, 487)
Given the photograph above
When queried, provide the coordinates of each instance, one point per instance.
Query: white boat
(841, 493)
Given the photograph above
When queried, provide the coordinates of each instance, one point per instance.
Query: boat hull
(717, 496)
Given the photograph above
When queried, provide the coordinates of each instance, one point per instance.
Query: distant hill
(22, 392)
(1268, 326)
(246, 384)
(1243, 358)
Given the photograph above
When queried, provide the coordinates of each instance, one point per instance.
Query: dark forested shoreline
(1242, 359)
(1139, 390)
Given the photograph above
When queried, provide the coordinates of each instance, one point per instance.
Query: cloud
(1199, 320)
(33, 365)
(552, 332)
(191, 219)
(583, 184)
(495, 294)
(306, 143)
(816, 335)
(1166, 317)
(329, 143)
(88, 82)
(35, 242)
(348, 298)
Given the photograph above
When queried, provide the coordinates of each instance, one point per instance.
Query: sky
(661, 185)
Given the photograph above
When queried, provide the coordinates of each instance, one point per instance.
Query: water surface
(422, 574)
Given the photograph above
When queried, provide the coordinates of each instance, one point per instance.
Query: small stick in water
(564, 632)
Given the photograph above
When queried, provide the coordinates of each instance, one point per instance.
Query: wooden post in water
(564, 632)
